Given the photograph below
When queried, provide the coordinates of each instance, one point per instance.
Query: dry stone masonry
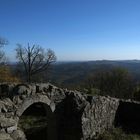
(71, 115)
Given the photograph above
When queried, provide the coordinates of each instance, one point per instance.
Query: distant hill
(71, 74)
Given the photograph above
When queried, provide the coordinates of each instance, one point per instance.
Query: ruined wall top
(92, 114)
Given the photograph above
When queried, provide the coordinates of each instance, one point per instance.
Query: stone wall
(76, 116)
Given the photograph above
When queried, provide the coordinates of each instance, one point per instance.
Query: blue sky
(74, 29)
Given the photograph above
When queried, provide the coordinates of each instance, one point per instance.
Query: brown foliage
(7, 76)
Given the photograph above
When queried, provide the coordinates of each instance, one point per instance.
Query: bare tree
(3, 42)
(34, 59)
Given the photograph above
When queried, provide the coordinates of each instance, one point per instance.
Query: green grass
(29, 122)
(117, 134)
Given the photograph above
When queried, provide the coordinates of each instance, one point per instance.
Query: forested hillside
(119, 79)
(71, 74)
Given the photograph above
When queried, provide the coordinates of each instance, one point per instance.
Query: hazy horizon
(78, 61)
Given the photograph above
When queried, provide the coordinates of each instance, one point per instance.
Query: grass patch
(32, 122)
(117, 134)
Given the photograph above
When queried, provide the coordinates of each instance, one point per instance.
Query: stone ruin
(71, 115)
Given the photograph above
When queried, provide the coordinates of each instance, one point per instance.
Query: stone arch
(49, 108)
(34, 99)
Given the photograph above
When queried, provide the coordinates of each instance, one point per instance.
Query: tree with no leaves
(34, 59)
(3, 42)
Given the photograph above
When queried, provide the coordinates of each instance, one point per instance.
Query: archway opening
(69, 119)
(34, 121)
(128, 117)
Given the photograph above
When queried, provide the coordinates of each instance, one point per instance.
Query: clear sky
(74, 29)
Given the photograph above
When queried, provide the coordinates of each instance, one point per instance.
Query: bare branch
(20, 52)
(3, 42)
(35, 59)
